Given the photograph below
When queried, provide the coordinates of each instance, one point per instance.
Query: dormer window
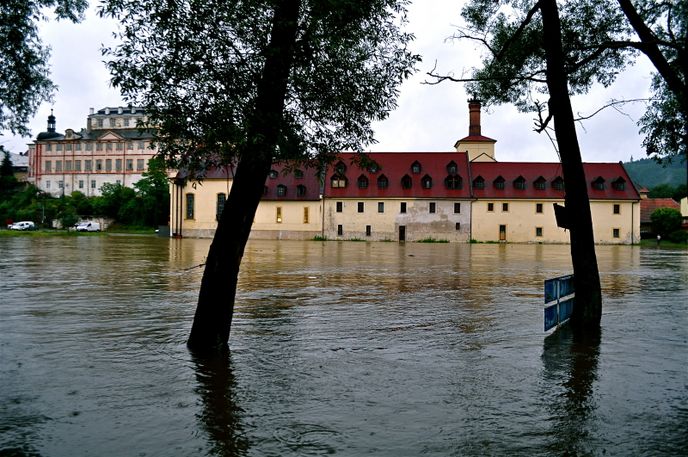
(373, 168)
(540, 183)
(452, 169)
(453, 182)
(338, 181)
(479, 183)
(498, 183)
(362, 182)
(300, 190)
(298, 174)
(382, 182)
(619, 184)
(520, 183)
(273, 174)
(415, 167)
(598, 183)
(281, 190)
(340, 167)
(426, 182)
(406, 182)
(558, 183)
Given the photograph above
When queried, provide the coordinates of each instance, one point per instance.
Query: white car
(87, 226)
(23, 225)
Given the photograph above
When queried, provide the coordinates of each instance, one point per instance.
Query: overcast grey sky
(429, 118)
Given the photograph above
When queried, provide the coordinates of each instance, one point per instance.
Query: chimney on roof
(91, 110)
(474, 117)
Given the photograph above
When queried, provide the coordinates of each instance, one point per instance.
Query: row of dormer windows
(415, 168)
(282, 191)
(99, 146)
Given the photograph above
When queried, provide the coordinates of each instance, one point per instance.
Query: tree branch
(518, 31)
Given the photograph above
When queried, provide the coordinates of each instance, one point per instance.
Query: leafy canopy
(24, 72)
(195, 64)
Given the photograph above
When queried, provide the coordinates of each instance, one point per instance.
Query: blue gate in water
(560, 291)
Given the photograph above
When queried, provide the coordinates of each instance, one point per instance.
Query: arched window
(340, 168)
(415, 167)
(300, 190)
(540, 183)
(558, 183)
(338, 181)
(619, 184)
(479, 183)
(373, 168)
(598, 183)
(281, 190)
(220, 206)
(498, 183)
(520, 183)
(426, 182)
(273, 174)
(382, 182)
(452, 169)
(362, 182)
(298, 173)
(453, 182)
(406, 182)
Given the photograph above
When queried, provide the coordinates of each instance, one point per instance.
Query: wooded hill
(648, 173)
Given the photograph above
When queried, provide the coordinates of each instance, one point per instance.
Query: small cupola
(479, 148)
(51, 122)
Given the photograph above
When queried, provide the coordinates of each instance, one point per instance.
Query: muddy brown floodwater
(343, 348)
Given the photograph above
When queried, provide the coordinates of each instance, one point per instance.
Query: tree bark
(587, 311)
(213, 318)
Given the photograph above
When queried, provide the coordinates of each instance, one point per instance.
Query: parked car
(23, 225)
(87, 226)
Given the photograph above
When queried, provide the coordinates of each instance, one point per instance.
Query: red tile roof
(291, 179)
(476, 139)
(649, 205)
(531, 172)
(395, 166)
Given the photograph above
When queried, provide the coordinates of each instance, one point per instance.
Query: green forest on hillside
(648, 173)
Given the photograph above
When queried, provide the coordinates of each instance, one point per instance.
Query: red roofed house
(291, 206)
(649, 205)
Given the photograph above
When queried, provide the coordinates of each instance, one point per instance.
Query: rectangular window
(58, 165)
(457, 208)
(538, 207)
(189, 206)
(380, 207)
(433, 207)
(305, 215)
(68, 147)
(139, 164)
(490, 206)
(340, 207)
(81, 184)
(617, 208)
(402, 208)
(118, 181)
(99, 146)
(88, 165)
(93, 184)
(60, 184)
(108, 146)
(119, 146)
(505, 207)
(99, 122)
(49, 147)
(68, 165)
(458, 226)
(111, 122)
(118, 164)
(108, 164)
(340, 230)
(369, 229)
(130, 145)
(141, 145)
(616, 233)
(278, 214)
(220, 205)
(77, 147)
(58, 147)
(360, 207)
(77, 165)
(126, 121)
(47, 184)
(538, 231)
(48, 166)
(89, 146)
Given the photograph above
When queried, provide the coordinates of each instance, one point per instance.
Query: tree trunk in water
(587, 311)
(213, 318)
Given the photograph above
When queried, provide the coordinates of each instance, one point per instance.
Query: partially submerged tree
(24, 71)
(250, 82)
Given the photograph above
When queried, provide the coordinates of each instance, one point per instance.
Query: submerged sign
(561, 291)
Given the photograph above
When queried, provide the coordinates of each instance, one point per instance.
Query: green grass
(664, 244)
(319, 238)
(432, 240)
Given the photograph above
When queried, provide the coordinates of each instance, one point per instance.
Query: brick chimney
(474, 117)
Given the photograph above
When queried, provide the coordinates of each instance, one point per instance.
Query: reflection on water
(337, 348)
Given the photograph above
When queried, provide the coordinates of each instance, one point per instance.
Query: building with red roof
(649, 206)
